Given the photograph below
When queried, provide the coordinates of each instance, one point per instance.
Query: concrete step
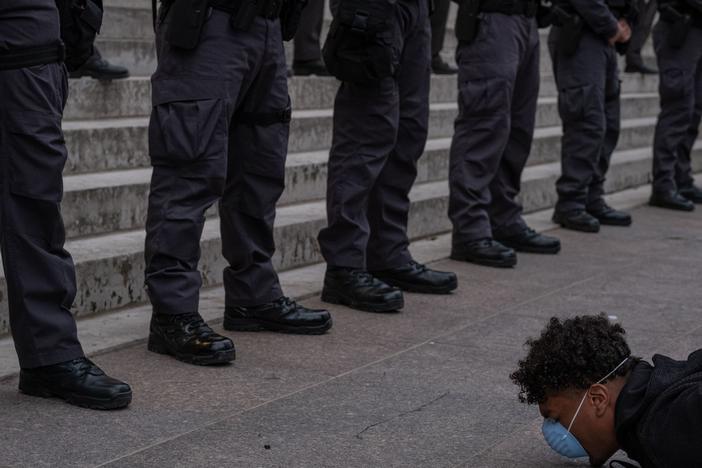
(108, 144)
(93, 99)
(100, 203)
(110, 267)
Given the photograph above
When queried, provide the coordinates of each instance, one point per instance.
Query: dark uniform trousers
(307, 38)
(680, 88)
(588, 104)
(498, 85)
(379, 134)
(40, 275)
(205, 148)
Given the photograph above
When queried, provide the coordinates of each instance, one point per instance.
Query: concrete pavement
(426, 387)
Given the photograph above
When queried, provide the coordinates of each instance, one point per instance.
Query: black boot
(99, 68)
(531, 241)
(440, 67)
(608, 216)
(415, 277)
(486, 252)
(78, 382)
(283, 315)
(189, 339)
(309, 67)
(358, 289)
(577, 220)
(692, 193)
(671, 200)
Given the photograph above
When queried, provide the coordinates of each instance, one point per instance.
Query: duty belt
(266, 8)
(526, 8)
(14, 59)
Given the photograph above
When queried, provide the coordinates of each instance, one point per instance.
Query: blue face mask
(560, 439)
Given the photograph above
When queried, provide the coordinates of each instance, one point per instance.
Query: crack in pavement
(401, 415)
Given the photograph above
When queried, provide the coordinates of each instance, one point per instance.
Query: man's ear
(599, 398)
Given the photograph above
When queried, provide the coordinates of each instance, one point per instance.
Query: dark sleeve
(676, 429)
(597, 16)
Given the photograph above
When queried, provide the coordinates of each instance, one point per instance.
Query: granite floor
(428, 387)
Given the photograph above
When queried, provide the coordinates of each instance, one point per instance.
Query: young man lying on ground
(596, 398)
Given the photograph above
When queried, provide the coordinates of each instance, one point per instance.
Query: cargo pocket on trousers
(37, 156)
(672, 84)
(484, 97)
(571, 103)
(181, 132)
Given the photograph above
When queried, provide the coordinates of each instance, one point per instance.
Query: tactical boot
(577, 220)
(608, 216)
(671, 200)
(283, 315)
(100, 69)
(189, 339)
(487, 252)
(531, 241)
(78, 382)
(440, 67)
(415, 277)
(692, 193)
(360, 290)
(309, 67)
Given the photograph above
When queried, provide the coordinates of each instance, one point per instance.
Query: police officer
(381, 52)
(498, 81)
(39, 272)
(678, 42)
(582, 47)
(218, 131)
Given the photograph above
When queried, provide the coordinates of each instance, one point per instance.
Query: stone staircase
(107, 175)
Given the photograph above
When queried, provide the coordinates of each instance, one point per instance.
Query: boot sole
(157, 346)
(485, 261)
(257, 325)
(615, 223)
(36, 389)
(573, 227)
(533, 250)
(672, 207)
(393, 306)
(421, 289)
(98, 77)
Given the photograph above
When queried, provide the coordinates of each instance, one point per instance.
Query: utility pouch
(571, 32)
(80, 23)
(680, 25)
(467, 20)
(186, 20)
(290, 17)
(359, 47)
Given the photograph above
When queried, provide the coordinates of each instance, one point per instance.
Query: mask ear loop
(572, 421)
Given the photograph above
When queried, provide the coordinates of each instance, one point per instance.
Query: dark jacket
(28, 23)
(658, 415)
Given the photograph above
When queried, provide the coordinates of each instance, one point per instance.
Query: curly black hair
(571, 354)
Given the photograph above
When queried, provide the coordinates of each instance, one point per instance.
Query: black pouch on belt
(186, 20)
(80, 23)
(360, 47)
(290, 17)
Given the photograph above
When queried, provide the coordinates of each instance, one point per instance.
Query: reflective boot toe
(577, 220)
(189, 339)
(671, 200)
(531, 241)
(608, 216)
